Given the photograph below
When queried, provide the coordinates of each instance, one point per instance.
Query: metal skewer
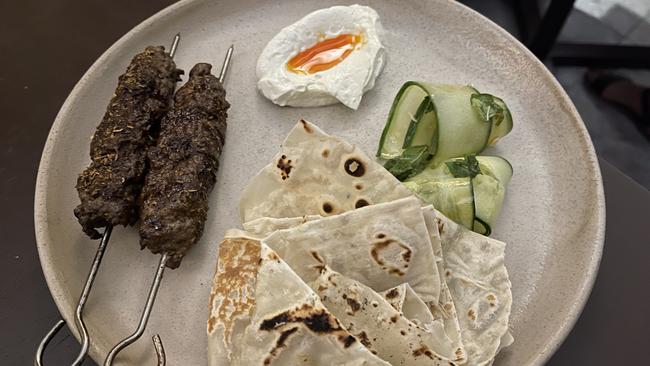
(151, 298)
(160, 350)
(226, 63)
(81, 325)
(78, 316)
(172, 49)
(144, 319)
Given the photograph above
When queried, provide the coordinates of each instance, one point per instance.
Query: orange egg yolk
(324, 55)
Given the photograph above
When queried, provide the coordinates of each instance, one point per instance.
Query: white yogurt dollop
(345, 82)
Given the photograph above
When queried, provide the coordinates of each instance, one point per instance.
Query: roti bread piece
(317, 174)
(403, 299)
(385, 330)
(444, 309)
(475, 272)
(262, 313)
(265, 226)
(381, 246)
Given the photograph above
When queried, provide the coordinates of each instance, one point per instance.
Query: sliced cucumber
(497, 167)
(453, 120)
(490, 191)
(460, 130)
(501, 129)
(489, 194)
(402, 118)
(481, 227)
(472, 202)
(423, 128)
(453, 197)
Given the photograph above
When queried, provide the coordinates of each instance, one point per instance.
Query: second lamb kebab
(183, 167)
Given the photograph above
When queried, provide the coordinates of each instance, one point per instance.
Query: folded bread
(461, 279)
(262, 313)
(317, 174)
(381, 246)
(475, 272)
(401, 336)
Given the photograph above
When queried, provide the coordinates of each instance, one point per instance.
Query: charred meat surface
(109, 188)
(183, 167)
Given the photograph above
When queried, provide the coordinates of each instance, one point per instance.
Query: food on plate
(403, 299)
(317, 174)
(430, 140)
(401, 280)
(179, 156)
(469, 190)
(443, 308)
(331, 55)
(477, 278)
(430, 123)
(262, 313)
(265, 226)
(389, 243)
(109, 188)
(183, 167)
(387, 331)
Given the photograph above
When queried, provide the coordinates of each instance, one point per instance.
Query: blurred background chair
(540, 31)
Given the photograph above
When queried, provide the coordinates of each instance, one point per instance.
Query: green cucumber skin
(413, 125)
(487, 229)
(457, 129)
(489, 195)
(389, 121)
(496, 170)
(391, 117)
(453, 135)
(504, 128)
(460, 130)
(486, 200)
(419, 124)
(499, 166)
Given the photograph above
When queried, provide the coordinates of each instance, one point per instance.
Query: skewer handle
(146, 313)
(78, 315)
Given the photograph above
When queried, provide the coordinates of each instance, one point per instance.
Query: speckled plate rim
(66, 304)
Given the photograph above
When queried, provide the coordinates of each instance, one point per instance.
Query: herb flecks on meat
(109, 188)
(183, 167)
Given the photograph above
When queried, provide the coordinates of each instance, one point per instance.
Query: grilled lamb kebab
(109, 188)
(183, 167)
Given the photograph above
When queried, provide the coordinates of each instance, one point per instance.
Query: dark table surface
(46, 46)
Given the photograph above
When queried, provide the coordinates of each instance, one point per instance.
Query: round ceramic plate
(553, 219)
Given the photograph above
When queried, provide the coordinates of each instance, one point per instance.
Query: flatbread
(262, 313)
(475, 272)
(386, 331)
(265, 226)
(444, 309)
(317, 174)
(403, 299)
(309, 206)
(482, 338)
(382, 246)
